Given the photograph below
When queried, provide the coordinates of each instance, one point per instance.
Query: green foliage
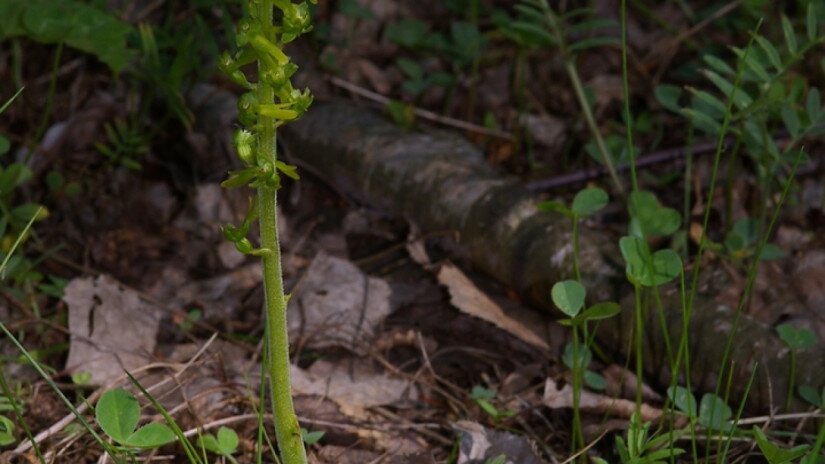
(126, 144)
(773, 453)
(568, 296)
(714, 413)
(764, 94)
(311, 438)
(538, 26)
(683, 399)
(267, 26)
(118, 412)
(812, 396)
(70, 22)
(483, 398)
(224, 443)
(417, 80)
(646, 268)
(796, 339)
(642, 447)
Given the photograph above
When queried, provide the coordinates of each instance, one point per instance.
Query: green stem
(287, 429)
(578, 437)
(573, 74)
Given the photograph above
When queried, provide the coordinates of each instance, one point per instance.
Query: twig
(429, 115)
(585, 175)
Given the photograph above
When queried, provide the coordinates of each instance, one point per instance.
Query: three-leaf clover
(118, 412)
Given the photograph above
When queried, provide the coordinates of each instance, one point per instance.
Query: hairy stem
(287, 429)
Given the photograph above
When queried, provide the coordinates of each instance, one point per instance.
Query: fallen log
(440, 182)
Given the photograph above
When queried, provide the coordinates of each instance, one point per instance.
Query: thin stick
(429, 115)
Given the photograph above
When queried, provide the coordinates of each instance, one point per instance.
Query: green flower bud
(244, 145)
(248, 109)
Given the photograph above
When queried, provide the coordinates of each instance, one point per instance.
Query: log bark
(440, 182)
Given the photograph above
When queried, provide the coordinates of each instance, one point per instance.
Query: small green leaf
(702, 121)
(683, 399)
(152, 435)
(5, 145)
(311, 438)
(589, 200)
(6, 431)
(654, 219)
(117, 412)
(482, 393)
(771, 252)
(210, 443)
(714, 413)
(710, 100)
(796, 338)
(240, 178)
(228, 440)
(770, 52)
(718, 65)
(572, 353)
(568, 296)
(646, 269)
(811, 395)
(790, 35)
(773, 453)
(742, 235)
(599, 311)
(595, 380)
(791, 120)
(668, 96)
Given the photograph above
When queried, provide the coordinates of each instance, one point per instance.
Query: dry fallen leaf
(112, 328)
(465, 296)
(337, 305)
(353, 385)
(479, 444)
(558, 398)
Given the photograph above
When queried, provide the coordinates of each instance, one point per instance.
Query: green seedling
(126, 144)
(684, 401)
(714, 413)
(796, 339)
(741, 241)
(224, 443)
(642, 447)
(418, 81)
(569, 297)
(192, 317)
(268, 103)
(483, 397)
(313, 437)
(773, 453)
(118, 412)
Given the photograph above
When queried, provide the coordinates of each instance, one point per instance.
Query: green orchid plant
(268, 103)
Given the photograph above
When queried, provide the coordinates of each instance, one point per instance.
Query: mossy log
(440, 182)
